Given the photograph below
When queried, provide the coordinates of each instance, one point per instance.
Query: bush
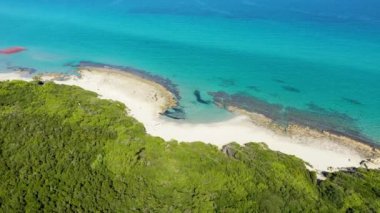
(63, 149)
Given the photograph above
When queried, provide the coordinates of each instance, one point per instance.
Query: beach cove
(325, 66)
(147, 100)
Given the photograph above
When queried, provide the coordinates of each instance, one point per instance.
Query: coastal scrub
(63, 149)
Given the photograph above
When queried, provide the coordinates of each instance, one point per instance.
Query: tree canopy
(62, 149)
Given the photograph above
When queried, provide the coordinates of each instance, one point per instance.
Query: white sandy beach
(146, 100)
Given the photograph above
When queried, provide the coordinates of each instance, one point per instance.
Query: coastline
(146, 100)
(366, 149)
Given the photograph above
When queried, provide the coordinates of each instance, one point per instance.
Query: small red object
(12, 50)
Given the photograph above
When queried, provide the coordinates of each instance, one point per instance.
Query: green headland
(62, 149)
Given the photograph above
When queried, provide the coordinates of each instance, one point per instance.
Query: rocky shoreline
(165, 82)
(147, 99)
(367, 149)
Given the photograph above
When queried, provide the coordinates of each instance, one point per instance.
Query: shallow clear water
(290, 54)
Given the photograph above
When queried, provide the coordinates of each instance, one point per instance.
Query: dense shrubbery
(63, 149)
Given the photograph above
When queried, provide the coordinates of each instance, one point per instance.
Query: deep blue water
(293, 53)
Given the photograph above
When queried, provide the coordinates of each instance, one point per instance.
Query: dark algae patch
(254, 88)
(177, 113)
(291, 89)
(314, 107)
(23, 69)
(246, 102)
(62, 149)
(352, 101)
(199, 98)
(279, 81)
(316, 117)
(225, 82)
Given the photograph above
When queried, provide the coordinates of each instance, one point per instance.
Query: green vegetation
(64, 150)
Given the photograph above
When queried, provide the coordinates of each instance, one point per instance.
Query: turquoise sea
(323, 54)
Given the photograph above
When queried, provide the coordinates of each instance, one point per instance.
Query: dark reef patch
(248, 103)
(177, 113)
(315, 117)
(174, 113)
(313, 107)
(274, 95)
(199, 98)
(70, 64)
(291, 89)
(352, 101)
(279, 81)
(23, 69)
(254, 88)
(165, 82)
(225, 82)
(330, 121)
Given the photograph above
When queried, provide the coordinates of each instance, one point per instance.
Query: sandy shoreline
(146, 100)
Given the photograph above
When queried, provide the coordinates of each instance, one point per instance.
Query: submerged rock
(165, 82)
(316, 108)
(279, 81)
(176, 113)
(70, 64)
(198, 96)
(291, 89)
(315, 121)
(255, 88)
(248, 103)
(225, 82)
(22, 69)
(352, 101)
